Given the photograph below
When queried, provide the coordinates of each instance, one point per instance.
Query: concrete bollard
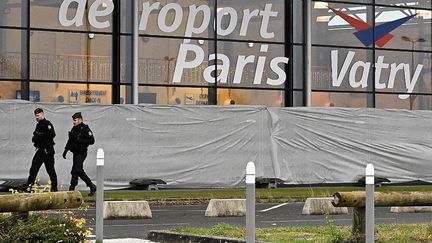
(226, 208)
(127, 210)
(250, 202)
(370, 203)
(321, 206)
(100, 161)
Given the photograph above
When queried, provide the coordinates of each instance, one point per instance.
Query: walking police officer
(80, 137)
(43, 140)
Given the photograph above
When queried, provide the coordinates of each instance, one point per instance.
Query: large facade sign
(367, 35)
(194, 26)
(196, 20)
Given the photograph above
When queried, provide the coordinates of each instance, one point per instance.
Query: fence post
(99, 195)
(370, 203)
(250, 202)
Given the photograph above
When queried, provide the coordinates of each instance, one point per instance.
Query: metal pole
(250, 202)
(99, 195)
(308, 54)
(370, 203)
(135, 53)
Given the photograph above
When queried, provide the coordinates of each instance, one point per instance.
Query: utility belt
(77, 148)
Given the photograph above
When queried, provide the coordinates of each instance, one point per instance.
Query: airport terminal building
(277, 53)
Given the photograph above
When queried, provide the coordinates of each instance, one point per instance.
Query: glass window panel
(167, 95)
(414, 34)
(236, 53)
(72, 93)
(70, 56)
(327, 99)
(12, 51)
(173, 24)
(322, 69)
(230, 27)
(402, 66)
(271, 98)
(405, 3)
(414, 102)
(159, 58)
(12, 14)
(10, 90)
(328, 28)
(45, 14)
(298, 69)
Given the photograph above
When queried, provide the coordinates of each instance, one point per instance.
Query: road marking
(274, 207)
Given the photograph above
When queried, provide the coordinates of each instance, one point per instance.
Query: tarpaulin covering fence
(209, 146)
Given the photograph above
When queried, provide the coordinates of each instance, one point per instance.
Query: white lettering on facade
(94, 12)
(224, 66)
(339, 75)
(79, 14)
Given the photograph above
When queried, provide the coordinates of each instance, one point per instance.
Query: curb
(167, 236)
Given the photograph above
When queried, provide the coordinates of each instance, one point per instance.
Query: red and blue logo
(368, 34)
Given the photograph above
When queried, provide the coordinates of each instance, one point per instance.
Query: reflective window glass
(161, 60)
(167, 95)
(341, 69)
(413, 102)
(406, 3)
(271, 98)
(72, 93)
(242, 64)
(255, 20)
(10, 90)
(414, 32)
(333, 24)
(12, 52)
(327, 99)
(12, 13)
(191, 18)
(57, 14)
(405, 72)
(70, 56)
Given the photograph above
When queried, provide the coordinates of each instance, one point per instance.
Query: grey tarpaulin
(209, 146)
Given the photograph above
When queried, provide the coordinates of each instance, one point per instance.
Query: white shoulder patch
(90, 133)
(49, 127)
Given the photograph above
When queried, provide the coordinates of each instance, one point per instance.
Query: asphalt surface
(168, 217)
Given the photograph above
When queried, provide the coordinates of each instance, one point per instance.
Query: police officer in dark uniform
(80, 137)
(43, 140)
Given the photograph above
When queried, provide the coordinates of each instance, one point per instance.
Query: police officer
(80, 137)
(43, 140)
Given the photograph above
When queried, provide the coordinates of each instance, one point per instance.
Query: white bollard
(99, 195)
(370, 203)
(250, 202)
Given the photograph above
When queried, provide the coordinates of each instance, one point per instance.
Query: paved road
(168, 217)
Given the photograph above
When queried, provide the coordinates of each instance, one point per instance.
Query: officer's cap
(38, 110)
(77, 115)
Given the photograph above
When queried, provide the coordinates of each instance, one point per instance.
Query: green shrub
(43, 229)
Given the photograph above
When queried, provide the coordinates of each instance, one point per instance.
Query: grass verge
(187, 197)
(384, 233)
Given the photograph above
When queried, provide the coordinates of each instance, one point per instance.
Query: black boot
(71, 188)
(92, 190)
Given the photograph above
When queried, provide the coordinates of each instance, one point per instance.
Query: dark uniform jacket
(43, 136)
(80, 137)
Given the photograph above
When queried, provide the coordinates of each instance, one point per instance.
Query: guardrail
(25, 202)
